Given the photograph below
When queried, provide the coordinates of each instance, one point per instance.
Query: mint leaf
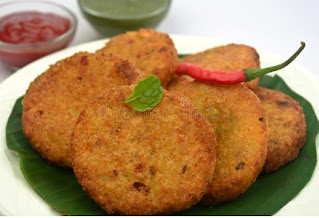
(146, 95)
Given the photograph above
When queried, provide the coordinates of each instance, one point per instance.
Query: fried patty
(152, 52)
(228, 58)
(286, 126)
(239, 122)
(55, 99)
(154, 162)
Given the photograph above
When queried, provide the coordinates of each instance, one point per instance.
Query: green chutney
(112, 17)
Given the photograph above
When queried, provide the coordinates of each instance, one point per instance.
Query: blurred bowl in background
(112, 17)
(32, 29)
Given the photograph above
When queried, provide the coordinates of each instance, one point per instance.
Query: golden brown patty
(152, 52)
(228, 58)
(239, 122)
(286, 126)
(154, 162)
(55, 99)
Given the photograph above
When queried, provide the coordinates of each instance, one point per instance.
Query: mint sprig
(146, 95)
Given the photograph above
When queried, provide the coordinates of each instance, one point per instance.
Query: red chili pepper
(245, 75)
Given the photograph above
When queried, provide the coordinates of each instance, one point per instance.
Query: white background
(273, 25)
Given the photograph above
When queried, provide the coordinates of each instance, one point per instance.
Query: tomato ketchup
(32, 27)
(22, 30)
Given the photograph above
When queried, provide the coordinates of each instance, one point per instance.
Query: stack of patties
(202, 143)
(241, 132)
(236, 116)
(129, 162)
(285, 117)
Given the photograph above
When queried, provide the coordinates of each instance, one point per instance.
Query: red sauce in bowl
(32, 27)
(29, 35)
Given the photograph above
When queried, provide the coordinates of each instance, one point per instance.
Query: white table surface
(273, 25)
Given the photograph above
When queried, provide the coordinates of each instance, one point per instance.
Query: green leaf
(146, 95)
(266, 196)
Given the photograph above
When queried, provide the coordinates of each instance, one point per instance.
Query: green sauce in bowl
(112, 17)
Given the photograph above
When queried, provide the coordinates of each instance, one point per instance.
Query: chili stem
(255, 73)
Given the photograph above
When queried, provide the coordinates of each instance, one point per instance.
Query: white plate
(16, 196)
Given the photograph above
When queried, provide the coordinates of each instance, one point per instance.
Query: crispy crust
(55, 99)
(154, 162)
(152, 52)
(228, 58)
(286, 125)
(240, 126)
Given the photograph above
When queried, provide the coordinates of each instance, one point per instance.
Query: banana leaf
(61, 190)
